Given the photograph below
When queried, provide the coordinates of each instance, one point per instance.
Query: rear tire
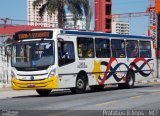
(96, 87)
(80, 85)
(43, 92)
(130, 79)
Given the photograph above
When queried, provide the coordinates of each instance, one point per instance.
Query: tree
(87, 11)
(76, 10)
(53, 6)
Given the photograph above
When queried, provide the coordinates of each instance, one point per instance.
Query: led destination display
(33, 35)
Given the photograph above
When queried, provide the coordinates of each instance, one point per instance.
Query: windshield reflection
(33, 54)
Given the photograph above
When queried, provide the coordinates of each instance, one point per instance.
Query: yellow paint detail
(136, 97)
(62, 113)
(97, 69)
(51, 83)
(106, 103)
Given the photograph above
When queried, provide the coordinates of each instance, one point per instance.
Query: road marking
(152, 83)
(155, 93)
(136, 97)
(61, 113)
(105, 103)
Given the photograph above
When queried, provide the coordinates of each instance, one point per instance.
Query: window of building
(102, 48)
(145, 49)
(132, 48)
(85, 47)
(118, 48)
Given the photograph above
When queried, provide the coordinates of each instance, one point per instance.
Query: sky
(17, 9)
(138, 25)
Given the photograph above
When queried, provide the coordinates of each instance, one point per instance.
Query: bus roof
(102, 34)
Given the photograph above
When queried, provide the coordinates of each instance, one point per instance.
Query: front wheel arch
(82, 72)
(81, 79)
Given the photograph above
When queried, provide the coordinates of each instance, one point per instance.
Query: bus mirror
(60, 40)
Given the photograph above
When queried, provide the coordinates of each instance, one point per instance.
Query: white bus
(49, 59)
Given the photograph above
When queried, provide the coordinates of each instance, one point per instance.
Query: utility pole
(157, 11)
(158, 43)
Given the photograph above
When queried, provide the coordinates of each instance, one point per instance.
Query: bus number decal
(82, 65)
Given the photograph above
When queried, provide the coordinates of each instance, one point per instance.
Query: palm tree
(87, 11)
(76, 10)
(53, 6)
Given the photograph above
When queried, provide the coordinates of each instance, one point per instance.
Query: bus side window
(145, 49)
(132, 49)
(66, 53)
(102, 48)
(118, 48)
(85, 47)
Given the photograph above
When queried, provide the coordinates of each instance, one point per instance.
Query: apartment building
(69, 24)
(120, 27)
(35, 20)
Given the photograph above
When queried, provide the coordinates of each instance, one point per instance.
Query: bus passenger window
(145, 49)
(66, 53)
(85, 47)
(132, 49)
(118, 48)
(102, 48)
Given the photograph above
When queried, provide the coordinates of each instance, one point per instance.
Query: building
(4, 63)
(69, 24)
(120, 27)
(103, 18)
(35, 20)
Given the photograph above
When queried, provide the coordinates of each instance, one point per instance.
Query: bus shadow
(88, 91)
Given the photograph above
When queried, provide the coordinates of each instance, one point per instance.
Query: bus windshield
(33, 55)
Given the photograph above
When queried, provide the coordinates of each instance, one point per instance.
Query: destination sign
(33, 35)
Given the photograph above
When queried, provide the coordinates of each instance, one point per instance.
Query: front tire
(130, 79)
(42, 92)
(80, 85)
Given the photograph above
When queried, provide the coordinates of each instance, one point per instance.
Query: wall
(5, 67)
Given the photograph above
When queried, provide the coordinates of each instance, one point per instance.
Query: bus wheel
(43, 92)
(80, 85)
(96, 87)
(129, 81)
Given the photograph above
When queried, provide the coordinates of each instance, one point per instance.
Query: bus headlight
(52, 73)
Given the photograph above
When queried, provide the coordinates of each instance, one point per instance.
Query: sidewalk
(5, 86)
(9, 93)
(148, 80)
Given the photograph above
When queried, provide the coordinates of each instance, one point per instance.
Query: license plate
(31, 85)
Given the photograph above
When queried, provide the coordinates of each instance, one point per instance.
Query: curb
(5, 86)
(148, 81)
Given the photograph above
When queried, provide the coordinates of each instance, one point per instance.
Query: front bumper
(51, 83)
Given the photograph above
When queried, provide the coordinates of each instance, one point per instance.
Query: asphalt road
(142, 97)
